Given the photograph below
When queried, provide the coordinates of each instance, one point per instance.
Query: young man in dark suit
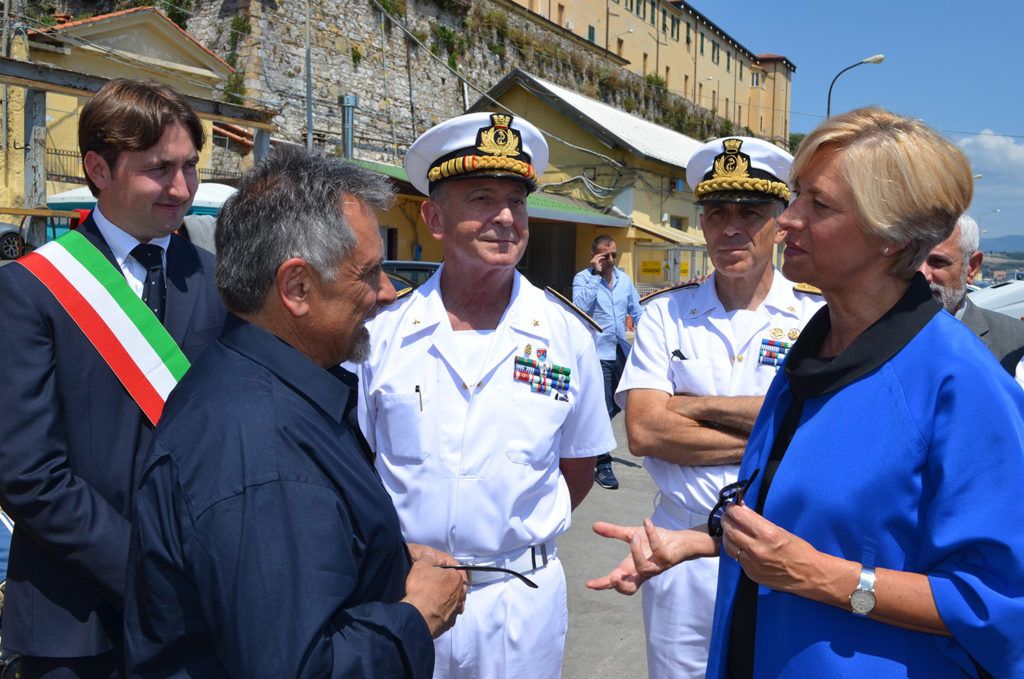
(73, 436)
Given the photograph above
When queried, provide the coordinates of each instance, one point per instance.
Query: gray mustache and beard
(951, 298)
(360, 349)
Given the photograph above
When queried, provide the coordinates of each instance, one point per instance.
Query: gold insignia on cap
(776, 333)
(499, 139)
(794, 333)
(732, 163)
(731, 172)
(497, 150)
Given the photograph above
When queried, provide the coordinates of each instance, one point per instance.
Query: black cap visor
(755, 197)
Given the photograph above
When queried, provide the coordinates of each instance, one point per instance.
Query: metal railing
(64, 165)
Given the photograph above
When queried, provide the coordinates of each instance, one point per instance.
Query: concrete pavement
(606, 629)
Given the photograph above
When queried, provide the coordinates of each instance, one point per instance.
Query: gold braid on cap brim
(741, 184)
(469, 164)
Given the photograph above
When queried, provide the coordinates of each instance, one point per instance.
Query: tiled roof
(60, 28)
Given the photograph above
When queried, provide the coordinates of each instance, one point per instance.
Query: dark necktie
(154, 290)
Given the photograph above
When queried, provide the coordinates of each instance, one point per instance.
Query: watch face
(862, 601)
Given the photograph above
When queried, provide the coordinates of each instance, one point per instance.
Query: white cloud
(1000, 161)
(995, 155)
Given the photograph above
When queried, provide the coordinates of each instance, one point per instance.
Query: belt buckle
(542, 551)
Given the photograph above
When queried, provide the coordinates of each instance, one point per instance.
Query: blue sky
(949, 63)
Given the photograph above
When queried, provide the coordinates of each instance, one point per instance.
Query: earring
(885, 251)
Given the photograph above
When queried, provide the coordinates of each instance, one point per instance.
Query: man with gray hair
(949, 267)
(265, 544)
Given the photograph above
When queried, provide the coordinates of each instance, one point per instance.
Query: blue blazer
(71, 440)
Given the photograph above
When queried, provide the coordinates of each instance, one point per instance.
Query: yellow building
(136, 43)
(687, 53)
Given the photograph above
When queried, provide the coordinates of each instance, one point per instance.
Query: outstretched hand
(652, 550)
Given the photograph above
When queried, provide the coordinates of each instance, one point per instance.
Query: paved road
(606, 635)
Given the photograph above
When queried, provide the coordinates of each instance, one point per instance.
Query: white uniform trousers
(679, 606)
(508, 630)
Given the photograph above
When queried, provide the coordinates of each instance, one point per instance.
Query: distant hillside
(1003, 244)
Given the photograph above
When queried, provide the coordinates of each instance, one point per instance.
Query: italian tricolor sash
(124, 331)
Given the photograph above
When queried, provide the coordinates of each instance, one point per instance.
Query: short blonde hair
(909, 183)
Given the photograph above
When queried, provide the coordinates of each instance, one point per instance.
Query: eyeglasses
(491, 569)
(728, 496)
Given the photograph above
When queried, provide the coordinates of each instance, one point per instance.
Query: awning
(671, 235)
(540, 205)
(548, 206)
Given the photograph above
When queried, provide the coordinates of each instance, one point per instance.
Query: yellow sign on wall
(684, 270)
(650, 267)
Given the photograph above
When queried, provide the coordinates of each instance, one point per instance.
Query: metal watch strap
(862, 599)
(867, 579)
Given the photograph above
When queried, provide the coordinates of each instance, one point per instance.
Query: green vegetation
(234, 88)
(395, 8)
(448, 40)
(655, 80)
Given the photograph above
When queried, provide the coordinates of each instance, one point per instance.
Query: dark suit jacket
(71, 439)
(1002, 334)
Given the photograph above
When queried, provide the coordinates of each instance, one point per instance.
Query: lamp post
(876, 59)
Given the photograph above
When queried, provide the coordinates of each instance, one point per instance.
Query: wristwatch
(862, 601)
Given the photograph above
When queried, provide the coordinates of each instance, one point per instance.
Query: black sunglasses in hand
(492, 569)
(729, 495)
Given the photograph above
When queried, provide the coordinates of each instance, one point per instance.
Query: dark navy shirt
(264, 544)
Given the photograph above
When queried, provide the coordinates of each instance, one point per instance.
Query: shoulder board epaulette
(807, 288)
(575, 309)
(680, 286)
(403, 292)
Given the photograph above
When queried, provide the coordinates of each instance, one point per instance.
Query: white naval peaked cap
(477, 145)
(739, 170)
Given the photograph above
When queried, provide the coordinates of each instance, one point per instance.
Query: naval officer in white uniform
(483, 401)
(704, 356)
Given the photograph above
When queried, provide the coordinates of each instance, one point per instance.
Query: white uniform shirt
(469, 454)
(685, 345)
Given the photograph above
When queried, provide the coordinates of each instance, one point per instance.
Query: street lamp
(876, 59)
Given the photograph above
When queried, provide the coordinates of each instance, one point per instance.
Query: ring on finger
(739, 553)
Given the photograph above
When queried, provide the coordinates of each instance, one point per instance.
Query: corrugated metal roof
(639, 135)
(671, 235)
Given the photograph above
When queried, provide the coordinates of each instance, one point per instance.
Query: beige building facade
(136, 43)
(681, 49)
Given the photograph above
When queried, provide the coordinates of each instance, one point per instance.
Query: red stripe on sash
(98, 333)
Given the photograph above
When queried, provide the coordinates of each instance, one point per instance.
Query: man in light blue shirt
(606, 293)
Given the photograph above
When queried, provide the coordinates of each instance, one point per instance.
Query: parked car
(11, 245)
(1006, 298)
(417, 272)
